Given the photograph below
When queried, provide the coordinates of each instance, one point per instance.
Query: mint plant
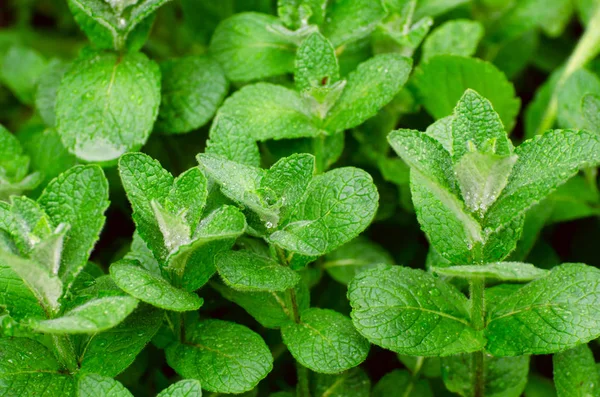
(471, 189)
(300, 217)
(299, 198)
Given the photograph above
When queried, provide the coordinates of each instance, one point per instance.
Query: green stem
(65, 352)
(587, 49)
(477, 295)
(302, 390)
(319, 149)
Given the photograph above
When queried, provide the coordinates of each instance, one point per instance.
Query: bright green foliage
(20, 70)
(458, 37)
(250, 47)
(93, 316)
(109, 24)
(540, 318)
(192, 89)
(142, 284)
(325, 341)
(387, 301)
(575, 372)
(107, 104)
(96, 385)
(245, 271)
(439, 90)
(504, 376)
(291, 181)
(183, 388)
(27, 368)
(503, 271)
(215, 347)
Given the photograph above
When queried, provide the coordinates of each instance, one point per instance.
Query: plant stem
(477, 294)
(587, 48)
(65, 352)
(302, 389)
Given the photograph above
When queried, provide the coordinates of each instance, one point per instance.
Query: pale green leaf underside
(149, 288)
(93, 316)
(93, 385)
(504, 271)
(411, 312)
(325, 341)
(183, 388)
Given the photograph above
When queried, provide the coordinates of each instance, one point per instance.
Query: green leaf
(107, 104)
(425, 155)
(149, 288)
(145, 181)
(246, 271)
(121, 343)
(216, 233)
(456, 37)
(351, 383)
(590, 108)
(503, 271)
(92, 385)
(46, 287)
(352, 258)
(225, 357)
(403, 383)
(540, 318)
(441, 131)
(229, 138)
(78, 197)
(298, 13)
(187, 196)
(116, 19)
(477, 127)
(369, 88)
(539, 386)
(93, 316)
(443, 217)
(17, 297)
(47, 153)
(570, 95)
(411, 312)
(270, 309)
(316, 63)
(28, 369)
(544, 163)
(288, 179)
(337, 206)
(481, 177)
(504, 376)
(20, 70)
(47, 89)
(192, 89)
(249, 47)
(325, 341)
(436, 7)
(439, 89)
(351, 20)
(575, 372)
(183, 388)
(270, 111)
